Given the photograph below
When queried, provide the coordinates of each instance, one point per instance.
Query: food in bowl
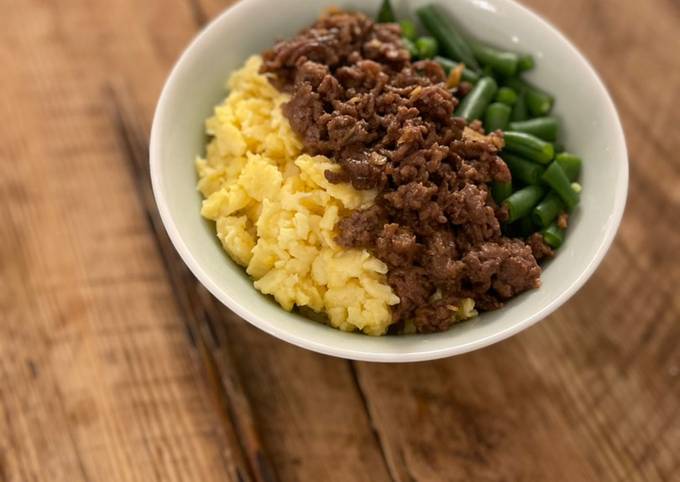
(383, 193)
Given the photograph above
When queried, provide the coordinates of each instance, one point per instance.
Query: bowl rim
(621, 193)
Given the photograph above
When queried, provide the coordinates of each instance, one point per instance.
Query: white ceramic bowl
(590, 122)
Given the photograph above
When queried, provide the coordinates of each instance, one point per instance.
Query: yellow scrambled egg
(275, 212)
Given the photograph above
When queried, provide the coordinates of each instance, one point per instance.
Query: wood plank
(105, 376)
(352, 439)
(289, 412)
(246, 458)
(108, 335)
(98, 378)
(592, 393)
(209, 9)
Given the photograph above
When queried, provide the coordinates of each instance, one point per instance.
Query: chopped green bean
(523, 170)
(519, 110)
(555, 177)
(444, 30)
(559, 147)
(496, 117)
(427, 47)
(520, 203)
(386, 13)
(500, 61)
(507, 96)
(474, 104)
(553, 235)
(501, 190)
(538, 102)
(408, 29)
(470, 76)
(548, 209)
(516, 84)
(529, 147)
(525, 62)
(570, 164)
(543, 127)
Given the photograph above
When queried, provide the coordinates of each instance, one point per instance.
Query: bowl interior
(591, 128)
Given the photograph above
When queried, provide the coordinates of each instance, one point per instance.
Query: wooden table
(116, 366)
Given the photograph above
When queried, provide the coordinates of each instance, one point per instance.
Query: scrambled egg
(275, 212)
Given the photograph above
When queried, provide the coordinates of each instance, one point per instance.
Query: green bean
(529, 147)
(386, 13)
(412, 49)
(496, 117)
(519, 110)
(506, 95)
(553, 236)
(501, 190)
(500, 61)
(523, 170)
(525, 62)
(408, 29)
(444, 30)
(538, 102)
(543, 127)
(555, 177)
(427, 47)
(470, 76)
(570, 164)
(474, 104)
(559, 147)
(520, 203)
(448, 65)
(548, 209)
(516, 84)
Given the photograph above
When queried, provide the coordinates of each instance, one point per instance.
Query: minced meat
(357, 98)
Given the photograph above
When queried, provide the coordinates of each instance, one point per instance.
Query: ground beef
(504, 267)
(539, 247)
(464, 88)
(361, 228)
(357, 98)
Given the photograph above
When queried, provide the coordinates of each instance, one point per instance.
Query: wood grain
(594, 389)
(82, 239)
(116, 365)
